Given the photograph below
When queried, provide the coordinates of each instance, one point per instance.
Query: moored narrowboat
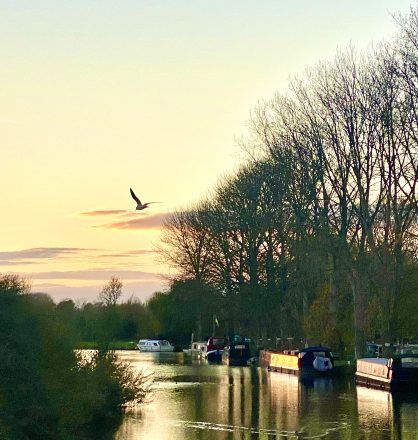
(236, 353)
(311, 360)
(399, 371)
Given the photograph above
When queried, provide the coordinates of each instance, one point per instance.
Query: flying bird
(140, 206)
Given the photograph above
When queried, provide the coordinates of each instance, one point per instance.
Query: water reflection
(392, 414)
(199, 401)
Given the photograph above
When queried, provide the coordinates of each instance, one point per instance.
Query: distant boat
(156, 345)
(317, 360)
(195, 350)
(236, 353)
(388, 373)
(214, 343)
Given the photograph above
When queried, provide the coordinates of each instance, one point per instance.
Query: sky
(98, 96)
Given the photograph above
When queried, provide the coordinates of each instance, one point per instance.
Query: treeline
(187, 307)
(48, 390)
(316, 236)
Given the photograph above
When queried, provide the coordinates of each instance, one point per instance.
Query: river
(192, 400)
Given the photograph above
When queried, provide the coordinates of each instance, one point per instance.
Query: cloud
(127, 254)
(92, 274)
(153, 221)
(104, 212)
(17, 263)
(39, 253)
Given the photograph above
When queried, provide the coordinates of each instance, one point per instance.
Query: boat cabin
(214, 343)
(154, 345)
(315, 359)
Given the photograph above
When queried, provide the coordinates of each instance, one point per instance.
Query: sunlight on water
(201, 401)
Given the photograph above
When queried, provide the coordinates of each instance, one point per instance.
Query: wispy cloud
(127, 254)
(93, 274)
(17, 263)
(153, 221)
(48, 255)
(104, 212)
(39, 253)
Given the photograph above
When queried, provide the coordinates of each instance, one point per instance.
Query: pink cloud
(153, 221)
(103, 212)
(92, 274)
(127, 254)
(40, 253)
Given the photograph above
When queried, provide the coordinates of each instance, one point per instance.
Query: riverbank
(114, 345)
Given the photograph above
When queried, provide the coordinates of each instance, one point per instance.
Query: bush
(47, 391)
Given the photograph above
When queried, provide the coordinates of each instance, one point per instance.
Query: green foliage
(45, 391)
(407, 316)
(319, 323)
(188, 307)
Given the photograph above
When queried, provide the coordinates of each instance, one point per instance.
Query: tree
(111, 292)
(48, 390)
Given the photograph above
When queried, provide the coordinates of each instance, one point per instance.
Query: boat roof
(384, 360)
(405, 355)
(381, 361)
(152, 340)
(314, 348)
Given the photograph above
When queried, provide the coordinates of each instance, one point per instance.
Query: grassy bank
(114, 345)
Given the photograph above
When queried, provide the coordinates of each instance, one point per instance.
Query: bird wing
(135, 197)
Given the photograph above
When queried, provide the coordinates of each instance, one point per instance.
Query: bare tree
(185, 243)
(111, 292)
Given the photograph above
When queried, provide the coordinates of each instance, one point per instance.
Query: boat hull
(399, 372)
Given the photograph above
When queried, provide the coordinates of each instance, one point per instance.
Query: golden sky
(100, 96)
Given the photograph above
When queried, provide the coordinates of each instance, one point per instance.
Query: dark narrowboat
(236, 353)
(399, 371)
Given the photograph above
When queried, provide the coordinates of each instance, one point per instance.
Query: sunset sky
(100, 96)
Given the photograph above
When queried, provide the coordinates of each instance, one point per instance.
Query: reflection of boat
(307, 360)
(147, 345)
(236, 353)
(214, 355)
(375, 409)
(387, 373)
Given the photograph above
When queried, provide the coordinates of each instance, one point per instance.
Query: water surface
(193, 400)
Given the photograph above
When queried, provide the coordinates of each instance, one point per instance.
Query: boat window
(409, 362)
(142, 342)
(319, 353)
(155, 344)
(217, 341)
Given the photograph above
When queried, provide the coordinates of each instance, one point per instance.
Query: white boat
(195, 349)
(154, 345)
